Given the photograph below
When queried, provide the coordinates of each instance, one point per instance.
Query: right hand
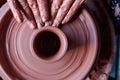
(63, 10)
(35, 11)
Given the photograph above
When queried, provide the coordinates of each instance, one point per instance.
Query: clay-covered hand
(63, 10)
(35, 11)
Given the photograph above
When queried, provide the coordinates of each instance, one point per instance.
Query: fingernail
(39, 25)
(32, 26)
(47, 24)
(50, 23)
(19, 20)
(55, 23)
(63, 22)
(44, 19)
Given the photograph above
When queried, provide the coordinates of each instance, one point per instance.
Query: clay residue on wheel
(77, 61)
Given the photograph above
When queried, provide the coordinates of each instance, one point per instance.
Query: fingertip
(39, 25)
(64, 22)
(47, 23)
(19, 20)
(66, 19)
(55, 25)
(50, 22)
(32, 25)
(44, 18)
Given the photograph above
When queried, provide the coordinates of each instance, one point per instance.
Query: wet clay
(76, 61)
(73, 49)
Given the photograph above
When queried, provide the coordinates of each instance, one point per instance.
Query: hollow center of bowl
(46, 44)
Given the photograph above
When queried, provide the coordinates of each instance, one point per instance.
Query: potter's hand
(63, 10)
(35, 11)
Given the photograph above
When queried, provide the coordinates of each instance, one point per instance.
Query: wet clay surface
(76, 62)
(100, 10)
(19, 60)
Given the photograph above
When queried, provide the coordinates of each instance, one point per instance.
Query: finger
(15, 10)
(54, 8)
(76, 5)
(34, 7)
(51, 1)
(28, 13)
(44, 10)
(47, 23)
(62, 12)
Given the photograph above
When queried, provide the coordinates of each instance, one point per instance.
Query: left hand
(35, 11)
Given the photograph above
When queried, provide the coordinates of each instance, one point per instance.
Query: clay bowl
(69, 53)
(49, 43)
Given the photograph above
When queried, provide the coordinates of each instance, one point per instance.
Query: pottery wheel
(18, 55)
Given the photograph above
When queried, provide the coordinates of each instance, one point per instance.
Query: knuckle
(33, 5)
(13, 2)
(56, 7)
(13, 5)
(34, 8)
(23, 3)
(36, 13)
(64, 9)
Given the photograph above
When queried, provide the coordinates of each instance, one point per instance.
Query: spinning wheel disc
(19, 60)
(75, 64)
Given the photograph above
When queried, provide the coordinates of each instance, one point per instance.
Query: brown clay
(19, 58)
(73, 64)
